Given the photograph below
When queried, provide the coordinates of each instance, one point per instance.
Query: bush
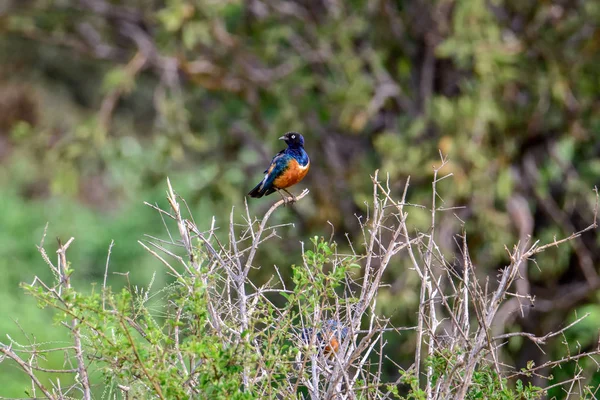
(213, 332)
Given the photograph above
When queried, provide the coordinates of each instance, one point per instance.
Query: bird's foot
(289, 200)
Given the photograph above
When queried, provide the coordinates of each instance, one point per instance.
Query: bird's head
(293, 139)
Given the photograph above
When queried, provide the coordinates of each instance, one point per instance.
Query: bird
(328, 338)
(287, 168)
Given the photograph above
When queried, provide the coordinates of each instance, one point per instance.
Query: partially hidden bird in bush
(287, 168)
(328, 338)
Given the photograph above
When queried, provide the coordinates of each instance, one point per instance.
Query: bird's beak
(282, 138)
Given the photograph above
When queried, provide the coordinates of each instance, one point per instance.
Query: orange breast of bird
(293, 174)
(333, 345)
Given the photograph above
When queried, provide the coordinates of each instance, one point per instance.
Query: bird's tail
(257, 191)
(261, 190)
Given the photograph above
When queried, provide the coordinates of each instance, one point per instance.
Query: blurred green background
(101, 100)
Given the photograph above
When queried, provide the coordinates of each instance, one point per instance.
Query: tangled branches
(219, 333)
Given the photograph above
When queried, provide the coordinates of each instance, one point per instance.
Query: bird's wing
(274, 160)
(278, 164)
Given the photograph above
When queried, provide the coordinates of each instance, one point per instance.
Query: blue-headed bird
(287, 168)
(328, 338)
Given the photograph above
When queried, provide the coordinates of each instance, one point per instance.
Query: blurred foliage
(101, 100)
